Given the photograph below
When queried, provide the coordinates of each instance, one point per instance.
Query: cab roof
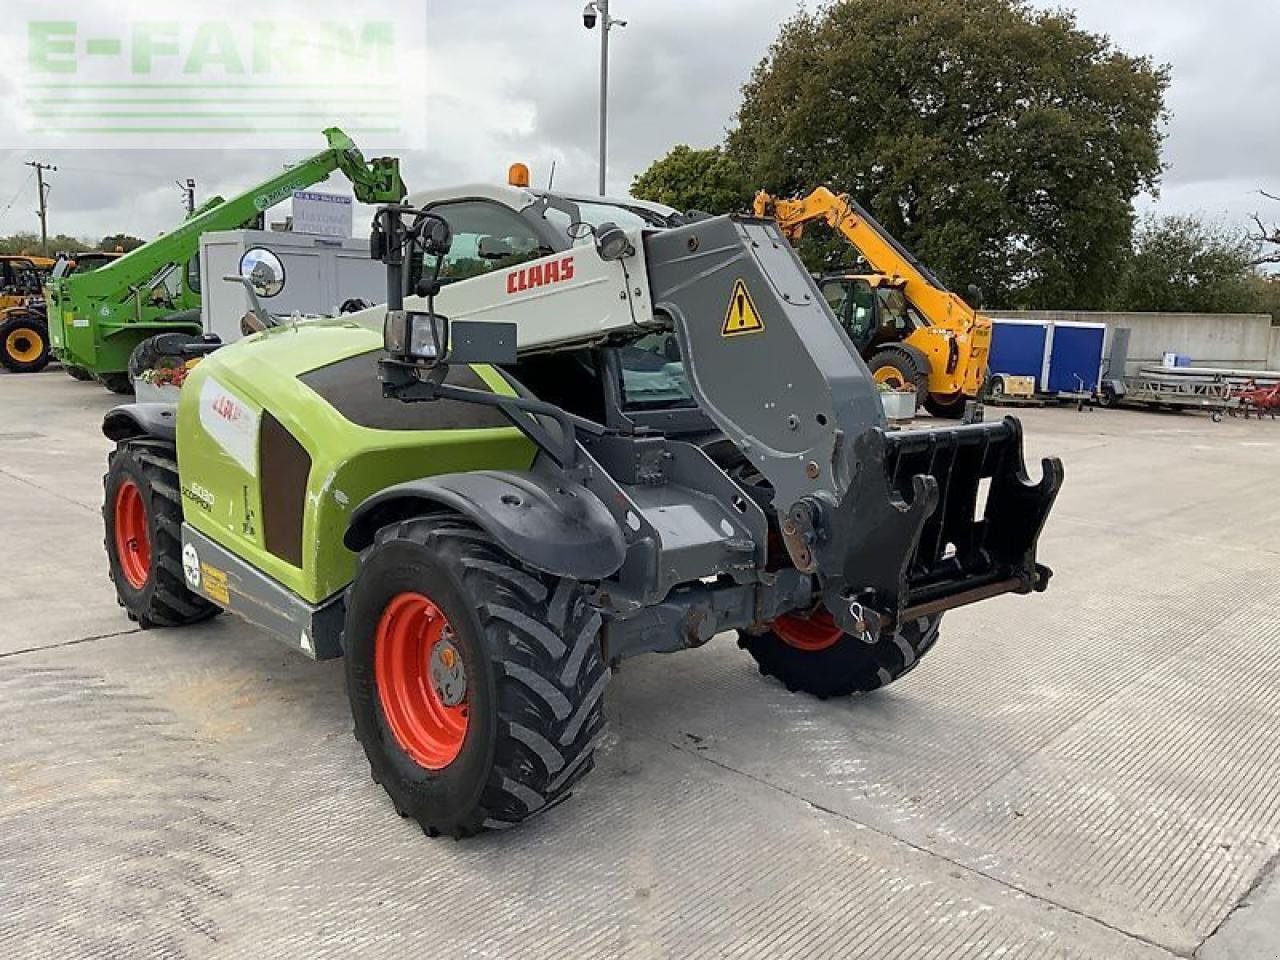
(517, 198)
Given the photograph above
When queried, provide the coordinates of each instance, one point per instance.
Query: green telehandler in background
(98, 319)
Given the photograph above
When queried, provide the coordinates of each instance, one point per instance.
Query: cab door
(854, 303)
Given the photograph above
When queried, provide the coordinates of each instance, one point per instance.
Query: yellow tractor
(913, 332)
(24, 327)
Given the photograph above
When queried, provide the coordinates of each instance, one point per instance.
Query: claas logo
(540, 275)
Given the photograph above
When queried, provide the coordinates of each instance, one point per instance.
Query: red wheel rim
(811, 634)
(413, 636)
(133, 544)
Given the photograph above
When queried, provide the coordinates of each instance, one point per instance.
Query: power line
(9, 206)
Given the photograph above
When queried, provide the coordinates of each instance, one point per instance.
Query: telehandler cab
(625, 447)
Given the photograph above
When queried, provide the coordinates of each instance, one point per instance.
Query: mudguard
(557, 527)
(159, 420)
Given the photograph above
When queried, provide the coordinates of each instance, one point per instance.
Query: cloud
(518, 81)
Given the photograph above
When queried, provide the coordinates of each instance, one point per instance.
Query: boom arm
(886, 255)
(375, 181)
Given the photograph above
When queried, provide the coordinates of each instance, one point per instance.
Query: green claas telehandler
(97, 319)
(489, 492)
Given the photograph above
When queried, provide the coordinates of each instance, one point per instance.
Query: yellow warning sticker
(215, 584)
(742, 316)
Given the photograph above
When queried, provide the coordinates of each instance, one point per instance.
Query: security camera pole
(598, 10)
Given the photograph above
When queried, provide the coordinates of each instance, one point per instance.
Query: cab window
(486, 237)
(899, 315)
(653, 373)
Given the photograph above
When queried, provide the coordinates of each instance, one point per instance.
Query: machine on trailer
(100, 317)
(484, 512)
(912, 331)
(24, 327)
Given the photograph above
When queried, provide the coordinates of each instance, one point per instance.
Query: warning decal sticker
(742, 316)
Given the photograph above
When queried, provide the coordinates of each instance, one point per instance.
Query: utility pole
(188, 194)
(43, 190)
(599, 10)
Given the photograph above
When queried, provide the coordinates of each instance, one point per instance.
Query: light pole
(597, 11)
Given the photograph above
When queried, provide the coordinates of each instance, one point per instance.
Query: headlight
(418, 337)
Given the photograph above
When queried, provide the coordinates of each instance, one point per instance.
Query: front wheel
(24, 343)
(812, 655)
(901, 366)
(476, 683)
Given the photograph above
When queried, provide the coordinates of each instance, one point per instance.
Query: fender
(133, 420)
(555, 526)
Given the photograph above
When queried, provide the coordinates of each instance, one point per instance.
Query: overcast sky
(517, 81)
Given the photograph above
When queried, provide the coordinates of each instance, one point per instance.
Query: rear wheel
(901, 367)
(24, 343)
(946, 407)
(143, 518)
(116, 382)
(476, 683)
(812, 655)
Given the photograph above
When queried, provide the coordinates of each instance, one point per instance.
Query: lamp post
(597, 11)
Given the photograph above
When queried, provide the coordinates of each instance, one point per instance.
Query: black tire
(163, 600)
(904, 364)
(162, 350)
(77, 373)
(535, 677)
(946, 408)
(24, 342)
(117, 383)
(849, 666)
(1107, 397)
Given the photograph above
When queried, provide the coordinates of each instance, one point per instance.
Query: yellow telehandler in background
(24, 329)
(912, 331)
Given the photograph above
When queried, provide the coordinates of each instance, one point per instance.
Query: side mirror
(264, 270)
(975, 296)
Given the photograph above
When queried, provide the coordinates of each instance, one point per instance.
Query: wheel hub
(448, 678)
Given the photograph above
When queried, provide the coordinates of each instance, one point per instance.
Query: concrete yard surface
(1091, 773)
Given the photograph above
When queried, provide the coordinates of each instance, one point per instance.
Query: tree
(1182, 264)
(22, 242)
(1002, 143)
(120, 241)
(689, 179)
(65, 244)
(1267, 237)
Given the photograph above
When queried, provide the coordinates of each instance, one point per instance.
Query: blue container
(1018, 348)
(1075, 357)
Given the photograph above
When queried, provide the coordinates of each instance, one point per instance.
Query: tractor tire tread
(30, 322)
(849, 667)
(166, 601)
(549, 690)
